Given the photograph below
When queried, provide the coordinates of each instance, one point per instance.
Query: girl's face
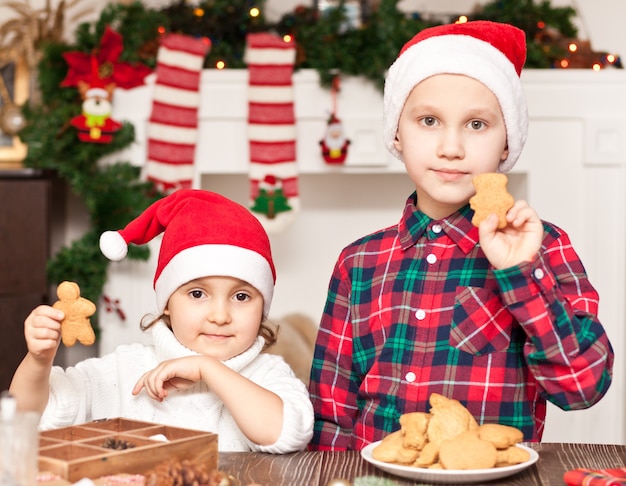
(216, 316)
(451, 128)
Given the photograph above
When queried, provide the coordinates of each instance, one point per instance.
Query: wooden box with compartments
(118, 445)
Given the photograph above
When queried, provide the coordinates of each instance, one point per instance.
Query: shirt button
(539, 273)
(436, 228)
(420, 314)
(410, 377)
(431, 258)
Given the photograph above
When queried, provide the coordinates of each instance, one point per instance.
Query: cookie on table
(501, 436)
(467, 451)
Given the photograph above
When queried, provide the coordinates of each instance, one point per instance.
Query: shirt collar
(458, 226)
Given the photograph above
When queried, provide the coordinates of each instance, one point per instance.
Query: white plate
(449, 475)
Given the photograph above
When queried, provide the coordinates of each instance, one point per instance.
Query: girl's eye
(196, 294)
(241, 297)
(476, 124)
(429, 121)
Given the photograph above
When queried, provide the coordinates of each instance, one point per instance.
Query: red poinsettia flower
(110, 70)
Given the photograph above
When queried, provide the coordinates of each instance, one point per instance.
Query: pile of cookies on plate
(450, 438)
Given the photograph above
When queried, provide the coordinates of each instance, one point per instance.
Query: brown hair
(267, 330)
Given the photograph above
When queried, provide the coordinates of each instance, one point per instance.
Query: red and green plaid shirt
(416, 308)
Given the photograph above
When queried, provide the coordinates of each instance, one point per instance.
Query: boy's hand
(518, 242)
(42, 330)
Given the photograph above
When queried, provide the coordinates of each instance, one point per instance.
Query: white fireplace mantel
(572, 171)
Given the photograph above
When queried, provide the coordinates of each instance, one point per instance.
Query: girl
(214, 284)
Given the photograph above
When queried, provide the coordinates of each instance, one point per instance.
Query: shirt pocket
(480, 323)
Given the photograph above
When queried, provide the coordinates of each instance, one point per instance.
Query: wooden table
(318, 468)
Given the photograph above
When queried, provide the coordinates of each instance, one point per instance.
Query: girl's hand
(177, 373)
(42, 330)
(257, 411)
(30, 383)
(518, 242)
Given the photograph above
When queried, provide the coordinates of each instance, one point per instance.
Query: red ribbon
(595, 477)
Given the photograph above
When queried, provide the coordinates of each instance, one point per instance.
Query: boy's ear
(398, 146)
(505, 153)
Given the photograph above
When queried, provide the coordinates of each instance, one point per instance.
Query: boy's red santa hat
(204, 234)
(490, 52)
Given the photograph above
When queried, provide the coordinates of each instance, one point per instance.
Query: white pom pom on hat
(204, 234)
(113, 246)
(490, 52)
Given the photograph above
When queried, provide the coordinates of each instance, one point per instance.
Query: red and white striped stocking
(271, 129)
(173, 125)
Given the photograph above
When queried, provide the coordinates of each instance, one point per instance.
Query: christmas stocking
(271, 130)
(173, 124)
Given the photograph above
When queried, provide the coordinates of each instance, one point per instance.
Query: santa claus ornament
(334, 145)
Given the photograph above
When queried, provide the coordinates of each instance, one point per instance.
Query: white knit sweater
(99, 388)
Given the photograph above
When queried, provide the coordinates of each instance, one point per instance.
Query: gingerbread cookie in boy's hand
(491, 198)
(76, 325)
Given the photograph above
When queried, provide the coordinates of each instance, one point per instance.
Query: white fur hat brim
(217, 260)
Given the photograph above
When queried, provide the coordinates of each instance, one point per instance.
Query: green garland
(113, 194)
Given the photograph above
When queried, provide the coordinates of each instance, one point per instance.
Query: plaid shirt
(417, 308)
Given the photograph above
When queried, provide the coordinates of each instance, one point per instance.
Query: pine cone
(117, 444)
(183, 473)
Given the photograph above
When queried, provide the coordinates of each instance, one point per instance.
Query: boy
(500, 319)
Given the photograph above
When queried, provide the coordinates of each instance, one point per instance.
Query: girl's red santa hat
(490, 52)
(204, 234)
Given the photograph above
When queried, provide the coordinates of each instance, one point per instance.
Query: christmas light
(572, 47)
(161, 30)
(541, 25)
(461, 20)
(198, 12)
(220, 65)
(287, 38)
(596, 67)
(254, 12)
(564, 63)
(610, 58)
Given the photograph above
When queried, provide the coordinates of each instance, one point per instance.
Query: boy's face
(216, 316)
(451, 128)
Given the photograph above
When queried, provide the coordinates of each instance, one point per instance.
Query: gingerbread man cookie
(76, 325)
(491, 198)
